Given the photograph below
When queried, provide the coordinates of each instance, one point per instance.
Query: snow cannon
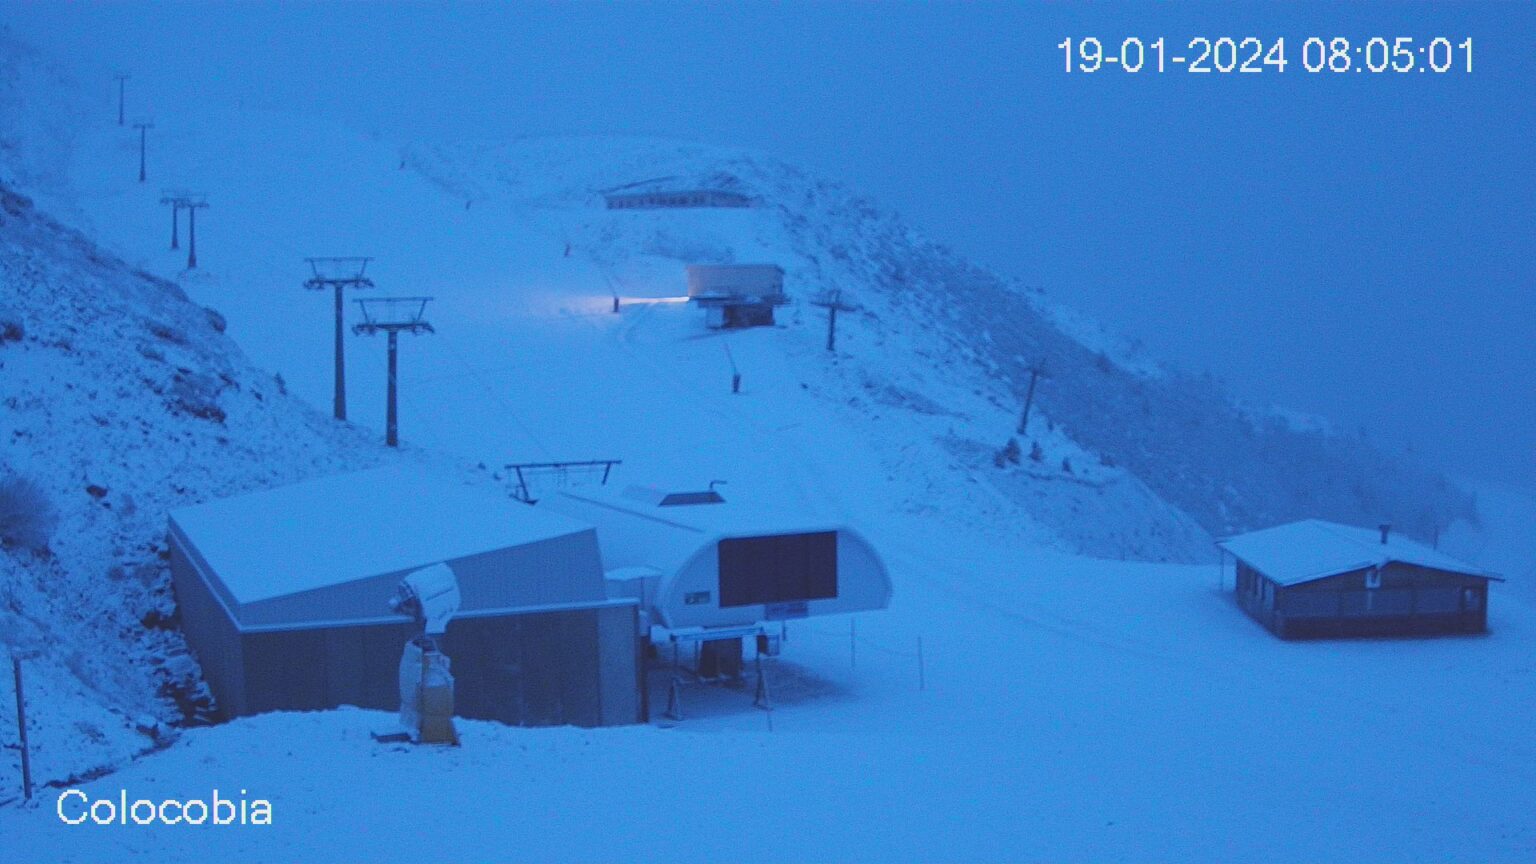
(431, 596)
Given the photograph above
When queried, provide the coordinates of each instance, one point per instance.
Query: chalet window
(1471, 600)
(1433, 600)
(1373, 578)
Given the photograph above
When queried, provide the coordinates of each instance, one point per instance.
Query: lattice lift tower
(338, 274)
(393, 315)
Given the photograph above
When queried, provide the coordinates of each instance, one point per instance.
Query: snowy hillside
(513, 241)
(968, 330)
(121, 400)
(1025, 696)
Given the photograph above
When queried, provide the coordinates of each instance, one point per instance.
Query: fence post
(853, 661)
(922, 679)
(21, 728)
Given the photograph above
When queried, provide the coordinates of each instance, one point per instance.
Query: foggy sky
(1357, 246)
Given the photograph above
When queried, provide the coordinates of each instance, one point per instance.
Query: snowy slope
(122, 400)
(1056, 725)
(512, 240)
(1076, 709)
(937, 332)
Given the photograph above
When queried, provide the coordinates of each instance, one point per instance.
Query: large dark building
(1318, 579)
(283, 598)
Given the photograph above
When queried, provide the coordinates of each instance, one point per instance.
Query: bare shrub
(11, 328)
(27, 517)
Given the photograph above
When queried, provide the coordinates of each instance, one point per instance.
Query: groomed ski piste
(1069, 706)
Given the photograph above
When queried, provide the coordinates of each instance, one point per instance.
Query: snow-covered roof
(1314, 549)
(714, 519)
(352, 526)
(634, 529)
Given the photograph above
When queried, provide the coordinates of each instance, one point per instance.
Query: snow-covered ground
(1074, 708)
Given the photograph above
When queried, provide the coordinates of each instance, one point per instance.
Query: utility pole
(143, 130)
(192, 207)
(832, 301)
(121, 77)
(337, 274)
(1036, 370)
(393, 315)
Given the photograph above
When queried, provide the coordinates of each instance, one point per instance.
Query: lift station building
(694, 560)
(737, 295)
(283, 598)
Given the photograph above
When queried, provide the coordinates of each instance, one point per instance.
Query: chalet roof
(343, 528)
(1313, 549)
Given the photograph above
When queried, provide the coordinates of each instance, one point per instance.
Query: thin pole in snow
(735, 373)
(853, 641)
(21, 727)
(1036, 370)
(922, 680)
(121, 77)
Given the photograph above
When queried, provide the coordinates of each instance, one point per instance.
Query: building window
(1373, 578)
(1471, 600)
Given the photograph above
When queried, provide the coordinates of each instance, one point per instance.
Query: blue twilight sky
(1353, 245)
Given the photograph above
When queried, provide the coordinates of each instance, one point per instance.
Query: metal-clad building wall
(209, 630)
(522, 668)
(527, 670)
(324, 667)
(618, 669)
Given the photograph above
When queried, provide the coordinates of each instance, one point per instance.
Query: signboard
(781, 611)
